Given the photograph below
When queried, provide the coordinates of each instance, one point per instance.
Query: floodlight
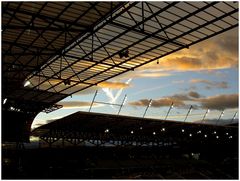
(26, 83)
(132, 132)
(4, 101)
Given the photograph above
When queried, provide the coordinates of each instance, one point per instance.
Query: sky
(204, 76)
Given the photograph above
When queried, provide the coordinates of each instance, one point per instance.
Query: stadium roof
(99, 123)
(59, 48)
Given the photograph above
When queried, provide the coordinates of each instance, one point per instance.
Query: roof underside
(65, 47)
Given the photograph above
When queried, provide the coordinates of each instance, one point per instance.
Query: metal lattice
(115, 41)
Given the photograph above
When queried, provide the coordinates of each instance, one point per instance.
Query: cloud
(113, 85)
(220, 102)
(194, 94)
(144, 73)
(167, 101)
(46, 85)
(220, 52)
(178, 100)
(211, 84)
(76, 104)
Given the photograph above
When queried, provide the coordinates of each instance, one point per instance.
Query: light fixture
(149, 104)
(199, 132)
(26, 83)
(67, 82)
(141, 128)
(217, 137)
(106, 131)
(205, 136)
(226, 133)
(154, 133)
(190, 135)
(163, 129)
(131, 132)
(4, 101)
(123, 53)
(230, 137)
(183, 130)
(214, 132)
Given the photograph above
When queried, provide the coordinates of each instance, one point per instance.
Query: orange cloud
(113, 85)
(220, 52)
(76, 104)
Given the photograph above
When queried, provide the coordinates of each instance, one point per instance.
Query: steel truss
(121, 40)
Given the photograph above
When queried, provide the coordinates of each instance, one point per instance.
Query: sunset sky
(204, 76)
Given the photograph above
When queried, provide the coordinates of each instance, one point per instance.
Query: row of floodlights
(190, 134)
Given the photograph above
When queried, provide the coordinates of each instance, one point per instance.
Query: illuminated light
(150, 103)
(183, 130)
(131, 132)
(208, 110)
(4, 101)
(106, 131)
(141, 128)
(230, 137)
(27, 83)
(226, 133)
(163, 129)
(214, 132)
(217, 137)
(154, 133)
(199, 132)
(205, 136)
(190, 135)
(12, 108)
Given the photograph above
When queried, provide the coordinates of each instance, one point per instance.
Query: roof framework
(61, 51)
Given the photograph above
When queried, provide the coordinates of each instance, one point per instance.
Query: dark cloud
(229, 43)
(220, 102)
(211, 84)
(159, 103)
(177, 99)
(194, 94)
